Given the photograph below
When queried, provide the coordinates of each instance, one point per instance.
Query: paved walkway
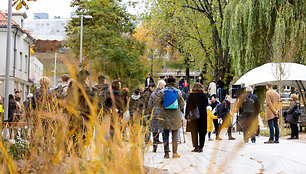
(234, 157)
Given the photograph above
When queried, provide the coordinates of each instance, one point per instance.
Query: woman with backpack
(196, 116)
(293, 116)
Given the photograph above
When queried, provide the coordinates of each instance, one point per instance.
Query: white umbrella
(288, 73)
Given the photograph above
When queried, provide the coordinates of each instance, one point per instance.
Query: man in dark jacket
(149, 80)
(225, 114)
(170, 118)
(147, 93)
(101, 91)
(249, 109)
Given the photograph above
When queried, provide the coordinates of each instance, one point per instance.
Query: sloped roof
(3, 22)
(3, 19)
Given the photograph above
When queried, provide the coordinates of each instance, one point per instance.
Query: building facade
(47, 29)
(20, 54)
(36, 70)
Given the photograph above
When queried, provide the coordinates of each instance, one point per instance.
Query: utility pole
(81, 35)
(8, 58)
(90, 74)
(55, 57)
(81, 42)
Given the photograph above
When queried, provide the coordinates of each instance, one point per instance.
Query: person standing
(171, 101)
(198, 127)
(213, 104)
(181, 83)
(272, 107)
(62, 88)
(224, 113)
(136, 106)
(212, 89)
(149, 80)
(101, 91)
(199, 80)
(210, 118)
(155, 110)
(249, 109)
(292, 118)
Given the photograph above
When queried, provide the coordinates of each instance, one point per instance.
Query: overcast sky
(52, 7)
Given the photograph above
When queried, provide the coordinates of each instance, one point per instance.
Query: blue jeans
(273, 123)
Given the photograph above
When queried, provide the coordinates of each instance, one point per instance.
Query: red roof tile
(3, 19)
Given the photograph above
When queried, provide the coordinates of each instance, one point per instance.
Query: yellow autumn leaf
(19, 6)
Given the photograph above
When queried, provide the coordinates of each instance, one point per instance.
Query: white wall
(36, 71)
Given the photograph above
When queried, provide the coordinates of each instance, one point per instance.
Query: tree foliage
(108, 37)
(194, 28)
(265, 31)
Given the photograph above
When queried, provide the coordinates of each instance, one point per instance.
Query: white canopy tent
(289, 74)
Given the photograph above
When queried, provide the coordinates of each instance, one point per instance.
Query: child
(210, 118)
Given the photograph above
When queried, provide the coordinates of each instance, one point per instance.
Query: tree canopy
(108, 37)
(194, 28)
(264, 31)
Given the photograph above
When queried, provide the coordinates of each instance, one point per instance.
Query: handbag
(194, 113)
(297, 112)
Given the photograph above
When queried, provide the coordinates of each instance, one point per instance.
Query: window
(26, 64)
(20, 61)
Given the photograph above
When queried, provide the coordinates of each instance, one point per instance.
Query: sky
(52, 7)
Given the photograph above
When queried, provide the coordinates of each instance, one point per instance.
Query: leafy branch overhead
(21, 3)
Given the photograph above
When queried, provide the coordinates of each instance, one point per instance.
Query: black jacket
(242, 109)
(224, 109)
(200, 100)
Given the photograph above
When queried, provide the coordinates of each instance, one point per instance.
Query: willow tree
(196, 26)
(264, 31)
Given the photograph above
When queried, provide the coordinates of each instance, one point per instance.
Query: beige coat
(272, 104)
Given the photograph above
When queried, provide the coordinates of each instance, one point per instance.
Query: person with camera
(196, 116)
(293, 116)
(249, 109)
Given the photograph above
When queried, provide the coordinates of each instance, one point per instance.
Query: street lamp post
(81, 35)
(8, 58)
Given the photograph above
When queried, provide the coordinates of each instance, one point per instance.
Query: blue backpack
(170, 98)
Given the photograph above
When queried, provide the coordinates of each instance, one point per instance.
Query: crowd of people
(162, 107)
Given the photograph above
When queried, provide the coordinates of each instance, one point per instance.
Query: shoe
(210, 139)
(200, 150)
(276, 141)
(269, 142)
(231, 138)
(175, 155)
(218, 138)
(290, 138)
(195, 150)
(166, 155)
(158, 142)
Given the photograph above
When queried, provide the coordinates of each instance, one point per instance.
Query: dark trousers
(216, 125)
(246, 138)
(229, 128)
(294, 130)
(196, 136)
(273, 124)
(155, 138)
(174, 141)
